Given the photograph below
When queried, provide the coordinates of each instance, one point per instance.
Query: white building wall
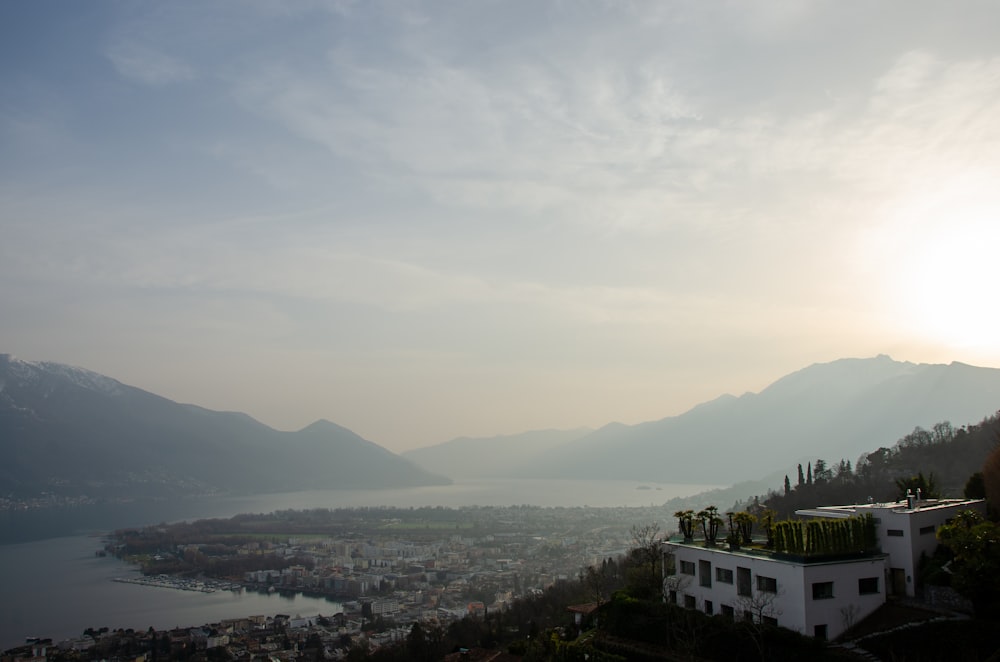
(848, 605)
(792, 605)
(904, 550)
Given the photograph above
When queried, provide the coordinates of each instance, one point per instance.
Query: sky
(426, 220)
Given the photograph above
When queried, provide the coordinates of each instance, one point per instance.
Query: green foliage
(744, 525)
(710, 523)
(687, 633)
(953, 453)
(820, 537)
(926, 487)
(975, 487)
(685, 523)
(975, 568)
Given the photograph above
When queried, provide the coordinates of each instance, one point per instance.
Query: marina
(181, 583)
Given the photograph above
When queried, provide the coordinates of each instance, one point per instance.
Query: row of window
(820, 590)
(824, 590)
(725, 576)
(898, 533)
(726, 611)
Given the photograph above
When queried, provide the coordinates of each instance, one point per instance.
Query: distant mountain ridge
(830, 410)
(66, 430)
(490, 457)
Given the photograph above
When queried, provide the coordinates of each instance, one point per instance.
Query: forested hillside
(946, 457)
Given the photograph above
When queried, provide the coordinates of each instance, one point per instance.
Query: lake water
(53, 585)
(58, 588)
(60, 522)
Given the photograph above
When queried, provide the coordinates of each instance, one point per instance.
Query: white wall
(792, 605)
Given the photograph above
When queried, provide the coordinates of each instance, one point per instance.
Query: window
(820, 632)
(743, 582)
(705, 573)
(727, 612)
(867, 585)
(672, 597)
(895, 533)
(822, 590)
(669, 564)
(687, 568)
(709, 607)
(924, 530)
(767, 584)
(689, 601)
(769, 621)
(724, 575)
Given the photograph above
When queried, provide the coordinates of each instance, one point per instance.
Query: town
(383, 569)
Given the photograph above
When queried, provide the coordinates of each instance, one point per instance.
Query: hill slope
(70, 431)
(838, 409)
(490, 457)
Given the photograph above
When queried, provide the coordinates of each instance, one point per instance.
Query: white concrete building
(906, 530)
(815, 596)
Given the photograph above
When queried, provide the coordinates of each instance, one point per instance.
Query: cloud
(145, 64)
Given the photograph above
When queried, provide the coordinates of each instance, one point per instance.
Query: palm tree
(685, 522)
(710, 523)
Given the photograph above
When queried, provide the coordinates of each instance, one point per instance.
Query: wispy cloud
(145, 64)
(603, 189)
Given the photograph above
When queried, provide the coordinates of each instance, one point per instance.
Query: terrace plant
(823, 537)
(685, 523)
(744, 526)
(710, 523)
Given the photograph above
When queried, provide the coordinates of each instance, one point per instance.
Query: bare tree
(598, 582)
(759, 614)
(646, 540)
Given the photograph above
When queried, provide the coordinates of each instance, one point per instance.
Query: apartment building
(815, 595)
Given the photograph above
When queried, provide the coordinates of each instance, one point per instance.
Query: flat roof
(842, 512)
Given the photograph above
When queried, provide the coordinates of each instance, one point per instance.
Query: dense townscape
(388, 568)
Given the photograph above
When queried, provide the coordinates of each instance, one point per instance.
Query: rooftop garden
(812, 539)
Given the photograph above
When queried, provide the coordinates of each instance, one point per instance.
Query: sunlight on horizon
(941, 267)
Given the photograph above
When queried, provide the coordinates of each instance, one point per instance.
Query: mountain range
(830, 410)
(69, 431)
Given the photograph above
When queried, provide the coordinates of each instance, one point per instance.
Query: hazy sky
(423, 220)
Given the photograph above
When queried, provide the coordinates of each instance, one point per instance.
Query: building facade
(906, 531)
(820, 596)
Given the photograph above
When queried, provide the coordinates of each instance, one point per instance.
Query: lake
(58, 588)
(54, 586)
(60, 522)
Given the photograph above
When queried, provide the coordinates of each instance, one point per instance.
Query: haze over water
(34, 525)
(56, 587)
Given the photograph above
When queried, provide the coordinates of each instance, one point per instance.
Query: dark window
(709, 607)
(767, 584)
(924, 530)
(724, 575)
(669, 564)
(672, 597)
(867, 585)
(705, 573)
(820, 632)
(822, 590)
(770, 621)
(689, 601)
(743, 581)
(687, 568)
(727, 611)
(895, 533)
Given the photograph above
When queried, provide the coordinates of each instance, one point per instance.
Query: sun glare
(945, 276)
